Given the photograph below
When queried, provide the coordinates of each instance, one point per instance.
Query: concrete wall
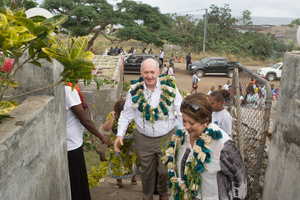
(104, 98)
(33, 154)
(283, 178)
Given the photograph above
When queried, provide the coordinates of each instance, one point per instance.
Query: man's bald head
(150, 62)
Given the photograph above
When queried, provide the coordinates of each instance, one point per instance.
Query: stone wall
(282, 177)
(104, 98)
(33, 153)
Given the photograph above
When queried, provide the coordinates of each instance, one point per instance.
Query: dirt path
(184, 79)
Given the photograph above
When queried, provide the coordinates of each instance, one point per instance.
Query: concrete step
(106, 191)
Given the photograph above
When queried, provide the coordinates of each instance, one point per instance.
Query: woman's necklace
(190, 182)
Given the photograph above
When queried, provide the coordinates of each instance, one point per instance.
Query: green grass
(91, 159)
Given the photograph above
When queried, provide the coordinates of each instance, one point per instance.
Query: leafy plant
(19, 34)
(96, 174)
(126, 85)
(88, 144)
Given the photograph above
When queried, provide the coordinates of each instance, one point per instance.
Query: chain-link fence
(250, 109)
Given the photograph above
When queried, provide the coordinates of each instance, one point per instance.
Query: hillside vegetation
(176, 34)
(101, 43)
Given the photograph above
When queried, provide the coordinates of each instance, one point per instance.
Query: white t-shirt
(241, 98)
(74, 127)
(170, 71)
(223, 119)
(209, 92)
(161, 54)
(195, 79)
(225, 87)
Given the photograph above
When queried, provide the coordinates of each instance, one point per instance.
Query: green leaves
(79, 48)
(22, 21)
(26, 38)
(56, 20)
(5, 108)
(18, 33)
(76, 61)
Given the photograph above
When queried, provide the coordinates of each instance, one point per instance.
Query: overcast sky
(259, 8)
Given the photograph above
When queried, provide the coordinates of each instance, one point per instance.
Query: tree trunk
(91, 42)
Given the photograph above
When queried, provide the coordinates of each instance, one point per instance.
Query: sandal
(133, 182)
(118, 186)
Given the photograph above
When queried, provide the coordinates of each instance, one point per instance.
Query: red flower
(7, 65)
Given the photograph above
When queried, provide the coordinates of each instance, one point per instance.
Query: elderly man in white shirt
(152, 108)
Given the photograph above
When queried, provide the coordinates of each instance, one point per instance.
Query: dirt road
(184, 79)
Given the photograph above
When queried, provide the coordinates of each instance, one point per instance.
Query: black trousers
(162, 62)
(78, 176)
(187, 65)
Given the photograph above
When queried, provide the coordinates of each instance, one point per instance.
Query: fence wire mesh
(250, 126)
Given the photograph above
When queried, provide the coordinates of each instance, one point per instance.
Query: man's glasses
(193, 106)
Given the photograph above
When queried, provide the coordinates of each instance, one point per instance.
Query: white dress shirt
(160, 127)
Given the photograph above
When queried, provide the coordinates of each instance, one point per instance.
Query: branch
(101, 24)
(111, 40)
(37, 90)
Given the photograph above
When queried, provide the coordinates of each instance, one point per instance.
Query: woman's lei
(167, 97)
(190, 183)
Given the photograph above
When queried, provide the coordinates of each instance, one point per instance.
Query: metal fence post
(250, 127)
(238, 109)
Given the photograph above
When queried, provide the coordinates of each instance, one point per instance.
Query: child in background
(210, 91)
(276, 93)
(219, 87)
(195, 80)
(272, 89)
(220, 115)
(261, 100)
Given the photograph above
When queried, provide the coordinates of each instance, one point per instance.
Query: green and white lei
(167, 97)
(190, 183)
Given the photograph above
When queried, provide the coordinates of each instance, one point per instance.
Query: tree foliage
(222, 35)
(126, 20)
(183, 30)
(221, 17)
(246, 18)
(295, 22)
(12, 4)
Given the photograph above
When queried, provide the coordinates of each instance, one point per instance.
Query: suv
(271, 73)
(212, 65)
(133, 62)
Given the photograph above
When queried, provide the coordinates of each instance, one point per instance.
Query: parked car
(271, 73)
(212, 65)
(133, 62)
